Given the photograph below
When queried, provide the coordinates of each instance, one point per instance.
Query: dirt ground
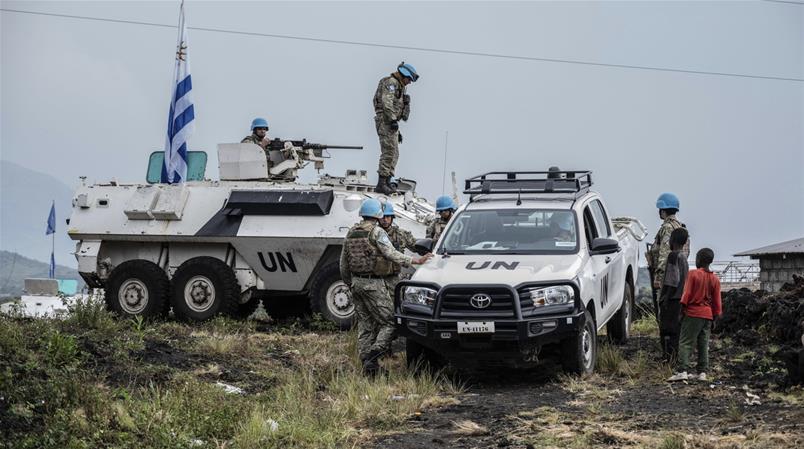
(543, 408)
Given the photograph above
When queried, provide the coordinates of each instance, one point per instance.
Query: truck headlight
(548, 296)
(419, 295)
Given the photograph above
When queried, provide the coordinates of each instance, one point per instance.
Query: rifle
(651, 272)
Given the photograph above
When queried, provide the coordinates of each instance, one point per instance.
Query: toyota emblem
(480, 301)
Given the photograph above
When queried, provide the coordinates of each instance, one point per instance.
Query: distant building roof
(789, 247)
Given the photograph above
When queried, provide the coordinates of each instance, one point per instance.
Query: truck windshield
(512, 231)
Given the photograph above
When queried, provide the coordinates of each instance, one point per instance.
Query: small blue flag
(51, 220)
(51, 272)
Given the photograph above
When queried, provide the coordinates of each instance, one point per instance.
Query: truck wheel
(204, 287)
(138, 288)
(421, 359)
(619, 328)
(578, 353)
(330, 296)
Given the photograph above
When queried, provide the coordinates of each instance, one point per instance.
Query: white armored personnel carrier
(209, 247)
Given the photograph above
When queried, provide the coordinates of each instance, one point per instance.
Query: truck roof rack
(575, 183)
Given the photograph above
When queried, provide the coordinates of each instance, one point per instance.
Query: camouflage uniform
(367, 259)
(402, 239)
(252, 139)
(436, 227)
(657, 257)
(389, 108)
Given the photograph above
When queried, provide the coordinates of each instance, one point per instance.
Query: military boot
(382, 186)
(371, 364)
(391, 187)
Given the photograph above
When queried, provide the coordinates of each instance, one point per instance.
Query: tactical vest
(378, 106)
(365, 259)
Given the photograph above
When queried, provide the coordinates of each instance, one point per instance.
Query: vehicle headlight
(419, 295)
(548, 296)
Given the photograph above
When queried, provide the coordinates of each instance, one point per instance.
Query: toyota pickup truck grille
(487, 303)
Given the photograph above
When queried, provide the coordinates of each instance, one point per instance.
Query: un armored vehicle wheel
(204, 287)
(138, 288)
(330, 296)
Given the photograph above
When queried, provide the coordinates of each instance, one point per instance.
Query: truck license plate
(476, 327)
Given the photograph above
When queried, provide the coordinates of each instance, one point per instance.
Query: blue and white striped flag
(182, 114)
(51, 229)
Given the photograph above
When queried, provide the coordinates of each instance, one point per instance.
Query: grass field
(95, 381)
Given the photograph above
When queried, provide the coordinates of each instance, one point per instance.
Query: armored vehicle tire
(579, 353)
(138, 288)
(204, 287)
(244, 310)
(619, 327)
(330, 296)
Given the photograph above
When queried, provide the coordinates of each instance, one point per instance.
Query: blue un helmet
(444, 202)
(667, 201)
(388, 209)
(259, 123)
(371, 208)
(408, 71)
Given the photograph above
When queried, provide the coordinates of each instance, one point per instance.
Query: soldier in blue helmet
(668, 205)
(367, 265)
(259, 133)
(391, 104)
(445, 207)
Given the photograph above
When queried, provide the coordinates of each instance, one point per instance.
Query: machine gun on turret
(288, 156)
(279, 144)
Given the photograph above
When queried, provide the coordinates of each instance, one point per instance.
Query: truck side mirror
(423, 246)
(604, 246)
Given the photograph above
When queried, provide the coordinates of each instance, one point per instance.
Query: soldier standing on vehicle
(668, 205)
(445, 207)
(367, 260)
(391, 104)
(259, 133)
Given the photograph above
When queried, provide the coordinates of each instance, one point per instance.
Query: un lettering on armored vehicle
(532, 261)
(209, 247)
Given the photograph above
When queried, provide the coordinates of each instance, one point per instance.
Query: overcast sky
(84, 97)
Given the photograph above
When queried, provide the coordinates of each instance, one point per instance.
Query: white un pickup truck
(533, 262)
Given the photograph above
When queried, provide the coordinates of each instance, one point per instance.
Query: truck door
(598, 276)
(614, 262)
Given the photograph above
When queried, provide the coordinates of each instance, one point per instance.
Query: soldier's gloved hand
(394, 126)
(399, 138)
(406, 99)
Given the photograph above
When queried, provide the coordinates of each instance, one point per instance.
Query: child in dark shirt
(672, 288)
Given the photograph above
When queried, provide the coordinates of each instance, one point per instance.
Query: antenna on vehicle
(444, 172)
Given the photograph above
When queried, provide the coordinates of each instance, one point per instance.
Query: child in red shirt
(700, 306)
